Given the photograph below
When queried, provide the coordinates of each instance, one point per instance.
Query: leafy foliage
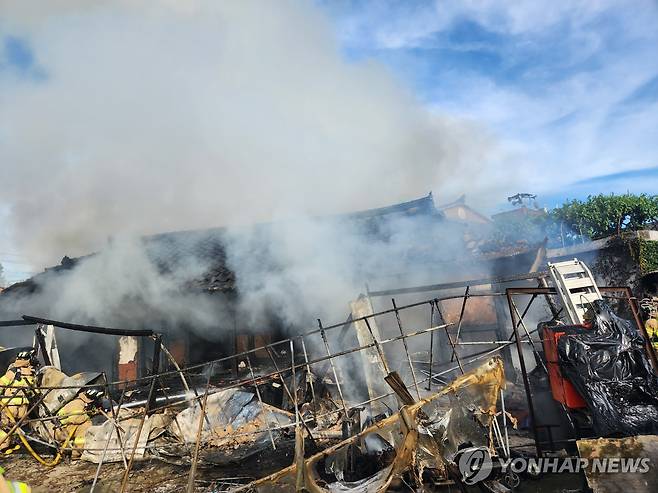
(575, 221)
(606, 215)
(647, 255)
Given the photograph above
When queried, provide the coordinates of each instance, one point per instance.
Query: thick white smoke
(134, 119)
(202, 114)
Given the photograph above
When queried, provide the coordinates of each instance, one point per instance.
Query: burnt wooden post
(502, 334)
(155, 369)
(524, 372)
(41, 342)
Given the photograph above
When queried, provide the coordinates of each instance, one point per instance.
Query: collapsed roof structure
(415, 383)
(436, 246)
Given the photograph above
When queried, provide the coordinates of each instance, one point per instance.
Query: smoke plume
(130, 120)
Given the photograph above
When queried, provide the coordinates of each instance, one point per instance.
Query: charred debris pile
(510, 360)
(409, 397)
(298, 402)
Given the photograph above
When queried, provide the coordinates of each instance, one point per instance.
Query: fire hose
(26, 444)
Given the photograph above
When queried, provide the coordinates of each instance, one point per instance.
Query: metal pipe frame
(547, 291)
(307, 363)
(524, 372)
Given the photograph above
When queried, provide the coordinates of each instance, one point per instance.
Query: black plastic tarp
(608, 366)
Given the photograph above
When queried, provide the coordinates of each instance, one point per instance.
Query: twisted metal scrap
(485, 381)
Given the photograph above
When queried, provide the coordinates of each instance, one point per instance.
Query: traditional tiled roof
(169, 251)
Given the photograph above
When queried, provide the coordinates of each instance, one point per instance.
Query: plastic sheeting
(235, 426)
(608, 366)
(108, 442)
(481, 385)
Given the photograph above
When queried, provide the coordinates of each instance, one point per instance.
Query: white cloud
(560, 72)
(395, 25)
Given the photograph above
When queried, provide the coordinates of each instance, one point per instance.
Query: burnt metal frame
(93, 329)
(280, 371)
(539, 276)
(547, 292)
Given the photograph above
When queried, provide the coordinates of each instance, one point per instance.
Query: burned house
(428, 250)
(414, 370)
(196, 266)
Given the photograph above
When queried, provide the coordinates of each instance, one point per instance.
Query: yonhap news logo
(476, 464)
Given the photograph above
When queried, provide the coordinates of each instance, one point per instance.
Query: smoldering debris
(411, 431)
(292, 403)
(229, 425)
(286, 411)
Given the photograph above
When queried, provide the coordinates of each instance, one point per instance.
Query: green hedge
(647, 255)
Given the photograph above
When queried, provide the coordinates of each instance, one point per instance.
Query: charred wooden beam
(394, 380)
(41, 341)
(15, 323)
(459, 284)
(89, 328)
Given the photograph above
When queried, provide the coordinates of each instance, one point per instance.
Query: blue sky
(570, 88)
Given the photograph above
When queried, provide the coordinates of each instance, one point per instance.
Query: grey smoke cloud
(203, 114)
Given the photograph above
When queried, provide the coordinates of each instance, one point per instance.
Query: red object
(128, 371)
(561, 388)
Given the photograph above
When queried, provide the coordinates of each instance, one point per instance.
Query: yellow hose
(57, 458)
(5, 407)
(46, 463)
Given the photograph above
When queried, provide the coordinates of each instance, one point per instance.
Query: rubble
(411, 430)
(359, 414)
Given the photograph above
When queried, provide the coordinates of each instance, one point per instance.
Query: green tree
(606, 215)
